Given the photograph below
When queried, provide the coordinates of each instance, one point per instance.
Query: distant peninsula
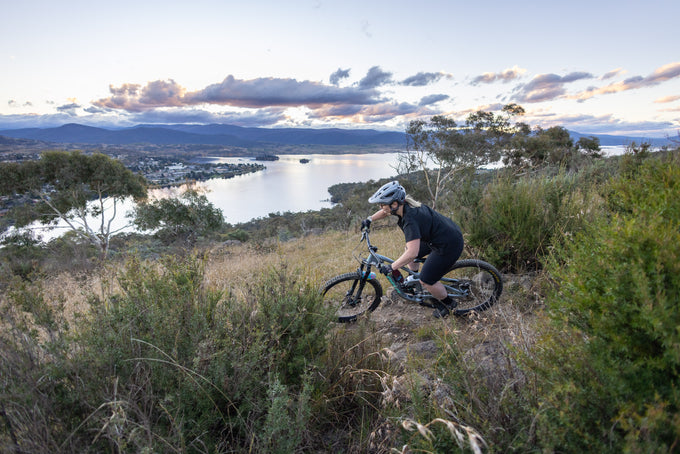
(267, 157)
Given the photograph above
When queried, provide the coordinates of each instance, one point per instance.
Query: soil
(402, 323)
(398, 321)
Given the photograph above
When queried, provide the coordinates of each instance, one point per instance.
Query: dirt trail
(401, 324)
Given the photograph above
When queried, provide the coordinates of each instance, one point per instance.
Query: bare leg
(437, 290)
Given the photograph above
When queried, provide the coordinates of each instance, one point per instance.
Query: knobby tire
(480, 281)
(340, 292)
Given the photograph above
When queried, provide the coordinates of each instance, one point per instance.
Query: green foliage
(440, 150)
(552, 146)
(619, 356)
(65, 184)
(289, 225)
(71, 179)
(517, 221)
(239, 235)
(590, 146)
(185, 218)
(21, 255)
(350, 395)
(168, 364)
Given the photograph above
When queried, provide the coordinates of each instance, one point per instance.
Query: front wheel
(351, 298)
(474, 284)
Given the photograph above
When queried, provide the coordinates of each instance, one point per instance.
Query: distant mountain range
(214, 134)
(229, 135)
(610, 140)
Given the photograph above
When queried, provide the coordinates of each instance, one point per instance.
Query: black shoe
(440, 311)
(450, 303)
(442, 308)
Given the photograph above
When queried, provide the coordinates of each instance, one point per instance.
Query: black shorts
(437, 263)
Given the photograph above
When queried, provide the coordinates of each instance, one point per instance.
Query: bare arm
(380, 214)
(409, 255)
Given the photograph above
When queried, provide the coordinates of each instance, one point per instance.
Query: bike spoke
(346, 294)
(474, 285)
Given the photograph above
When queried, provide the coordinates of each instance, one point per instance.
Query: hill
(613, 140)
(215, 134)
(237, 136)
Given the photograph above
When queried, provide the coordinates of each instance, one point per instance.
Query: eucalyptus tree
(183, 218)
(441, 149)
(74, 188)
(552, 146)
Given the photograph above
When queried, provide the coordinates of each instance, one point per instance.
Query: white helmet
(389, 193)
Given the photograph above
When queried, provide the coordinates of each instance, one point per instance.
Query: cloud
(546, 87)
(375, 78)
(366, 29)
(95, 110)
(612, 73)
(253, 93)
(432, 99)
(257, 117)
(68, 108)
(460, 115)
(387, 111)
(377, 113)
(135, 98)
(666, 99)
(504, 76)
(14, 103)
(338, 75)
(660, 75)
(603, 124)
(422, 79)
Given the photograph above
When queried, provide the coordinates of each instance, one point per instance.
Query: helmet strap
(394, 210)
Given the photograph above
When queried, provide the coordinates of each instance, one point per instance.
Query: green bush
(238, 234)
(611, 367)
(20, 255)
(518, 221)
(167, 364)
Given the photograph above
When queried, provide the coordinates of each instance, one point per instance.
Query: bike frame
(419, 295)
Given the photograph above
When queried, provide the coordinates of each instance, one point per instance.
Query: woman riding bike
(427, 234)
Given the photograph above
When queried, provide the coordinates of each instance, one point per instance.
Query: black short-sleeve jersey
(438, 231)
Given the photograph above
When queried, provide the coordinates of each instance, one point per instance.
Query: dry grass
(485, 343)
(319, 257)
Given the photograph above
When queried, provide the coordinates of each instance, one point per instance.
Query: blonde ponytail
(413, 203)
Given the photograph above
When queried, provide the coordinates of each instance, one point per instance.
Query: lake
(285, 185)
(288, 184)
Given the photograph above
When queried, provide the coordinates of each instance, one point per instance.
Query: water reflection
(289, 185)
(285, 185)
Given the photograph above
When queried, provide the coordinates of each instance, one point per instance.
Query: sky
(594, 67)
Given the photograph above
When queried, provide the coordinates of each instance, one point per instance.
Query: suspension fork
(363, 277)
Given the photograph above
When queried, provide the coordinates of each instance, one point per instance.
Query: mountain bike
(474, 284)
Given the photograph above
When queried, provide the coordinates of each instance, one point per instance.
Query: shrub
(239, 235)
(517, 222)
(21, 255)
(611, 377)
(348, 407)
(183, 218)
(166, 364)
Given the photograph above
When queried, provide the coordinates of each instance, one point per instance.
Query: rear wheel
(474, 284)
(346, 293)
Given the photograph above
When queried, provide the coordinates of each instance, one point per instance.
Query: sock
(448, 302)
